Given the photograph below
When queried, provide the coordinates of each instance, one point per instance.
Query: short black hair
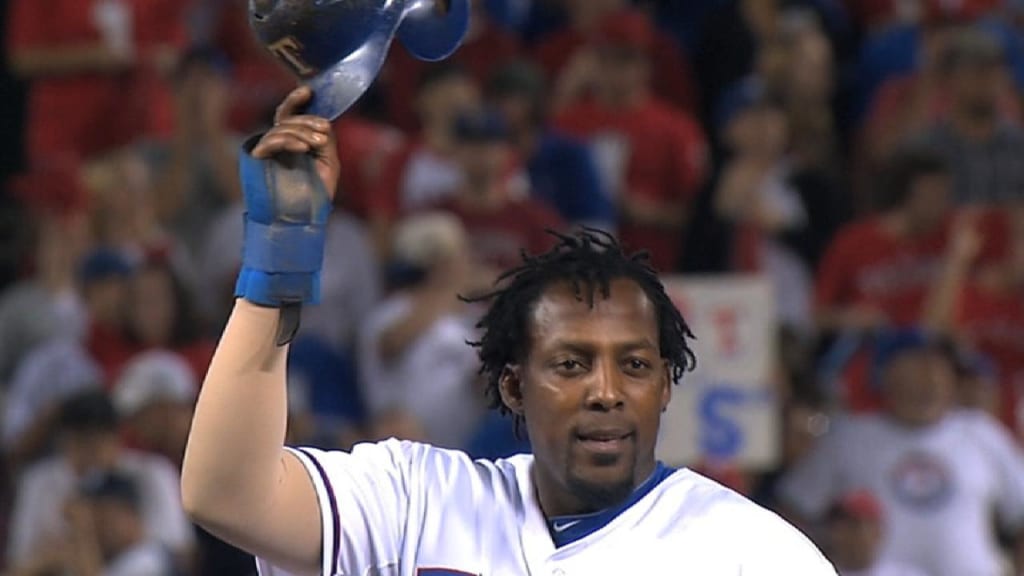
(904, 169)
(589, 260)
(88, 411)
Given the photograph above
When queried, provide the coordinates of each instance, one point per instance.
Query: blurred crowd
(865, 156)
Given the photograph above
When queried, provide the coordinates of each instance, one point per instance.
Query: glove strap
(285, 225)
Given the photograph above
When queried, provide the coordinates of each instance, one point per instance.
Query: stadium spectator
(980, 304)
(983, 150)
(757, 196)
(160, 315)
(854, 536)
(493, 201)
(567, 55)
(561, 169)
(416, 372)
(61, 366)
(45, 303)
(940, 473)
(877, 270)
(154, 398)
(96, 71)
(195, 173)
(652, 157)
(424, 170)
(106, 535)
(89, 445)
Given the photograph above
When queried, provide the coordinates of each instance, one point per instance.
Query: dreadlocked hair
(588, 260)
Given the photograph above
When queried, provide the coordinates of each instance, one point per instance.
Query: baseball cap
(104, 263)
(151, 377)
(890, 344)
(426, 238)
(626, 29)
(857, 504)
(741, 96)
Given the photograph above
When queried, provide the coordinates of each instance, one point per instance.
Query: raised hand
(302, 134)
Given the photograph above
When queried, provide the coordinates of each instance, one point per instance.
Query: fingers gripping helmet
(338, 46)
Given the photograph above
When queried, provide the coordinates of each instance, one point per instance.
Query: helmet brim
(337, 88)
(430, 36)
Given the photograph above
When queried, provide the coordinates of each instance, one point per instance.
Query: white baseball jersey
(406, 509)
(938, 486)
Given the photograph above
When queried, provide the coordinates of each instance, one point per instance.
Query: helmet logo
(288, 50)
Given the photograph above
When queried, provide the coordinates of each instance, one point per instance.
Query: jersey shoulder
(727, 520)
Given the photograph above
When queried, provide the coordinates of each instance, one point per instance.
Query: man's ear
(510, 385)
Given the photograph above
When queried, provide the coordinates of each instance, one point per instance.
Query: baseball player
(580, 345)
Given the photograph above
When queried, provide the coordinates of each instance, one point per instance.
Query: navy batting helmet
(339, 46)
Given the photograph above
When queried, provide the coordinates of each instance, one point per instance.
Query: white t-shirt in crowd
(406, 509)
(938, 486)
(431, 380)
(146, 559)
(45, 488)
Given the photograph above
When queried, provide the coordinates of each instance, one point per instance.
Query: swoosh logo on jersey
(565, 526)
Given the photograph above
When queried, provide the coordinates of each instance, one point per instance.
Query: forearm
(233, 460)
(66, 60)
(940, 303)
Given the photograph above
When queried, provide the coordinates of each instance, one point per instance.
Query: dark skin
(591, 390)
(589, 372)
(302, 134)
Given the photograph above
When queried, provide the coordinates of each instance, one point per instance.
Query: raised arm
(238, 481)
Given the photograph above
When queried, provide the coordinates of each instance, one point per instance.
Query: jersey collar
(565, 530)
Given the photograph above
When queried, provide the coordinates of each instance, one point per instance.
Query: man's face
(591, 390)
(91, 451)
(152, 306)
(117, 525)
(929, 200)
(976, 89)
(440, 102)
(624, 71)
(105, 299)
(919, 387)
(483, 162)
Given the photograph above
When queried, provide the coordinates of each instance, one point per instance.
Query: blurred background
(831, 189)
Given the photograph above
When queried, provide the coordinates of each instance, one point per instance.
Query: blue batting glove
(287, 207)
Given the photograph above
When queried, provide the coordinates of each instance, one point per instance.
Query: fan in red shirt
(500, 217)
(986, 309)
(879, 271)
(565, 49)
(653, 157)
(96, 69)
(422, 171)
